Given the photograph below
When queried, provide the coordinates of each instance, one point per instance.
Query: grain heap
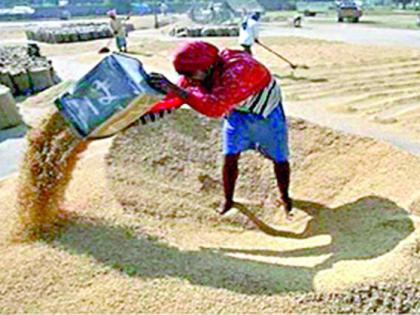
(320, 169)
(46, 170)
(382, 297)
(366, 211)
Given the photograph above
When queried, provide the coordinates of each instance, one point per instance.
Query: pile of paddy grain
(178, 160)
(383, 298)
(359, 192)
(44, 175)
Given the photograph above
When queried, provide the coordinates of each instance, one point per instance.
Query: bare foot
(228, 204)
(289, 216)
(287, 205)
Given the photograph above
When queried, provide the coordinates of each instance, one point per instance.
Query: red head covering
(193, 56)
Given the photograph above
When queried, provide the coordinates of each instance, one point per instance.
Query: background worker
(163, 7)
(297, 21)
(249, 31)
(233, 85)
(118, 27)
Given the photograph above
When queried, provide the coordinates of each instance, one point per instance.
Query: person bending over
(233, 85)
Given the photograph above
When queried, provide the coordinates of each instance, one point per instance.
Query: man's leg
(118, 42)
(271, 136)
(282, 171)
(235, 140)
(125, 45)
(230, 174)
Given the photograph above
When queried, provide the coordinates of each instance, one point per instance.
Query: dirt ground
(143, 234)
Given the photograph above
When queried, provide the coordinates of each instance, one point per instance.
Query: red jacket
(236, 76)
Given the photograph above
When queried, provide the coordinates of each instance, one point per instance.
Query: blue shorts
(244, 131)
(121, 42)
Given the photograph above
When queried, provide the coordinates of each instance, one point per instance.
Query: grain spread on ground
(143, 236)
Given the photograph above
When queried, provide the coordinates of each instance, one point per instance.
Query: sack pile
(205, 31)
(69, 33)
(24, 71)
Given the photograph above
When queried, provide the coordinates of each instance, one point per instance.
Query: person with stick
(233, 85)
(249, 34)
(249, 31)
(118, 28)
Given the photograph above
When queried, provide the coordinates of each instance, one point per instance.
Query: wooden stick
(292, 65)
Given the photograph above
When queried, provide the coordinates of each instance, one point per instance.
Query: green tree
(121, 5)
(403, 3)
(12, 3)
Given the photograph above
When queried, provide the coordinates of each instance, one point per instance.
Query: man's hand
(160, 82)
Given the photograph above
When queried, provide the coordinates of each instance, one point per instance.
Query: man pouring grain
(233, 85)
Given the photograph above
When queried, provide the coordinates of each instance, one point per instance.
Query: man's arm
(210, 104)
(256, 32)
(174, 93)
(242, 79)
(160, 82)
